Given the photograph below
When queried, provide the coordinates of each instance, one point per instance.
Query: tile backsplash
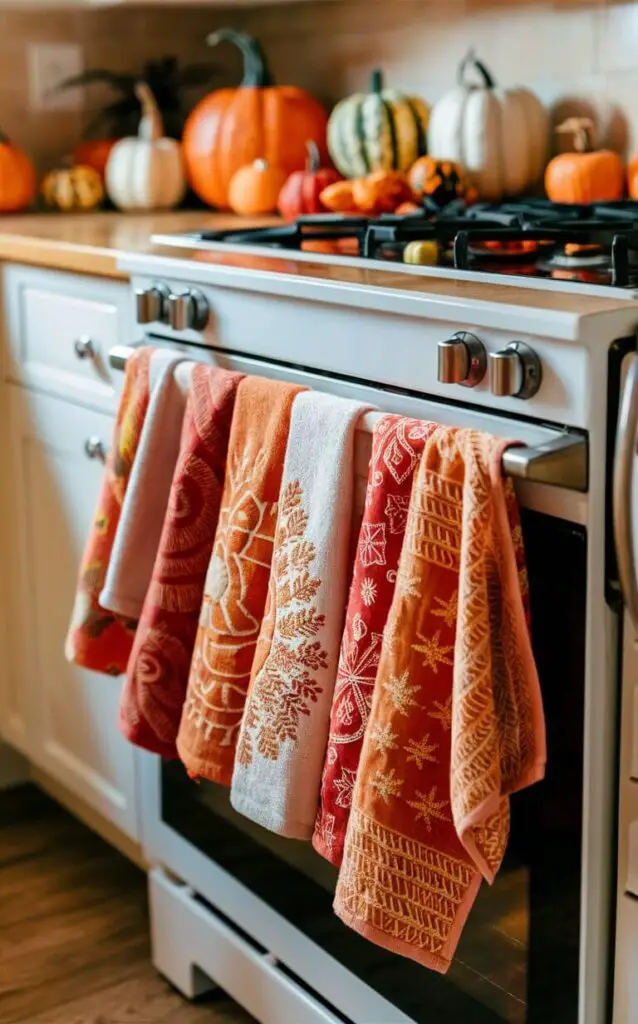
(578, 55)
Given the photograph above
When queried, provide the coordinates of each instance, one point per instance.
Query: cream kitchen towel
(140, 526)
(282, 738)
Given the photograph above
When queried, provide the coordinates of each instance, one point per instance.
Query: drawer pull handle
(84, 347)
(95, 449)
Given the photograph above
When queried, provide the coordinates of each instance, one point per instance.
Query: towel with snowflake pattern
(283, 735)
(397, 445)
(236, 586)
(456, 723)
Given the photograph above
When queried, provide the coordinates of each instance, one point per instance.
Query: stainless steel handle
(119, 356)
(562, 462)
(84, 347)
(95, 449)
(624, 459)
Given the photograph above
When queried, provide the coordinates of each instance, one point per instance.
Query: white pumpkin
(500, 136)
(146, 172)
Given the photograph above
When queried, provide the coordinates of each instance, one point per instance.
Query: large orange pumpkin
(18, 181)
(231, 128)
(586, 175)
(94, 153)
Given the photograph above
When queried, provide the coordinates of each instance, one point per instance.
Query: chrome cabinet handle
(84, 347)
(95, 449)
(624, 457)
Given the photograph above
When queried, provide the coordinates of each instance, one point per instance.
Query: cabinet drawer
(59, 329)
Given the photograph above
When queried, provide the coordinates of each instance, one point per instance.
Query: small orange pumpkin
(632, 178)
(94, 153)
(255, 189)
(302, 192)
(586, 175)
(339, 198)
(381, 192)
(18, 181)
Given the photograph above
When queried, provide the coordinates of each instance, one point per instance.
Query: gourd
(94, 153)
(255, 189)
(422, 253)
(146, 172)
(73, 188)
(440, 181)
(382, 130)
(381, 192)
(586, 175)
(339, 198)
(231, 128)
(500, 136)
(301, 193)
(18, 182)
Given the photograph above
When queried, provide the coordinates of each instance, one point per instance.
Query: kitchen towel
(397, 445)
(237, 580)
(282, 739)
(138, 533)
(157, 674)
(456, 722)
(98, 639)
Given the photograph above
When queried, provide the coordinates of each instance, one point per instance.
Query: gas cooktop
(529, 238)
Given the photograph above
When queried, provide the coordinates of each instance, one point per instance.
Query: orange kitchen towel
(157, 674)
(456, 722)
(237, 580)
(98, 639)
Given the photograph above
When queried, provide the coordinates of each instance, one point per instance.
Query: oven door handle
(624, 459)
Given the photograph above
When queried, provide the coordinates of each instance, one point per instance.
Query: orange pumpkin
(255, 189)
(339, 198)
(586, 175)
(302, 192)
(231, 128)
(18, 181)
(632, 178)
(94, 153)
(381, 192)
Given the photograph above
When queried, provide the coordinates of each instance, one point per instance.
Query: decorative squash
(146, 172)
(440, 180)
(255, 189)
(302, 191)
(73, 188)
(499, 136)
(632, 178)
(584, 176)
(94, 153)
(18, 182)
(383, 130)
(339, 198)
(231, 128)
(422, 254)
(381, 192)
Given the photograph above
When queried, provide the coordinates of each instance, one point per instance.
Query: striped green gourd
(380, 130)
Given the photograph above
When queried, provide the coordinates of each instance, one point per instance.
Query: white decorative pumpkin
(146, 172)
(500, 136)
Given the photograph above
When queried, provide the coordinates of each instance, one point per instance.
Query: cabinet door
(62, 716)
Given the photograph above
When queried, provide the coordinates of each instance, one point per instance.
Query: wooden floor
(74, 945)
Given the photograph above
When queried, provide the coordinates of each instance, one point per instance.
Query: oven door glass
(518, 957)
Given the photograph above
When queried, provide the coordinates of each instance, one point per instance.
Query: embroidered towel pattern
(284, 730)
(397, 445)
(97, 639)
(157, 674)
(236, 586)
(456, 695)
(138, 533)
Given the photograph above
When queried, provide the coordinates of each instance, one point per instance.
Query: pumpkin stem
(151, 125)
(256, 71)
(4, 139)
(582, 129)
(376, 81)
(313, 162)
(471, 59)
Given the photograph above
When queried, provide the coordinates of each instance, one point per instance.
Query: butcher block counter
(91, 243)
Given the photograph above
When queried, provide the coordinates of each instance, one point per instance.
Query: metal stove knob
(462, 360)
(151, 303)
(515, 371)
(189, 311)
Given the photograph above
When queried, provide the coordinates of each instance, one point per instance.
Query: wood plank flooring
(74, 946)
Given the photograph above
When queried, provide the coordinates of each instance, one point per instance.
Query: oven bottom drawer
(196, 948)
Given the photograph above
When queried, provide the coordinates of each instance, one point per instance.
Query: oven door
(518, 960)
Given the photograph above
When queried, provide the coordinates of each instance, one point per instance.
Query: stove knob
(515, 371)
(462, 360)
(151, 303)
(188, 311)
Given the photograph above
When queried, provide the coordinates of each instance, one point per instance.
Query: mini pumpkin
(94, 153)
(381, 192)
(73, 188)
(585, 175)
(301, 193)
(380, 130)
(255, 189)
(440, 181)
(18, 182)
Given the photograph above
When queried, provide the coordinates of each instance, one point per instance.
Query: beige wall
(569, 51)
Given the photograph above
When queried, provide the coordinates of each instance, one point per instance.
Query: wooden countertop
(91, 243)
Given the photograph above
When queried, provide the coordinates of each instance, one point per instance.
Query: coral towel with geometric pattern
(456, 723)
(397, 444)
(283, 735)
(236, 587)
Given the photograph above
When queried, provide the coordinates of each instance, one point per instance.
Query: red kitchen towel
(98, 639)
(397, 445)
(157, 675)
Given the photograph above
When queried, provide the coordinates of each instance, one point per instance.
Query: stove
(530, 240)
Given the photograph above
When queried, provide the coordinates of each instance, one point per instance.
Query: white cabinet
(62, 717)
